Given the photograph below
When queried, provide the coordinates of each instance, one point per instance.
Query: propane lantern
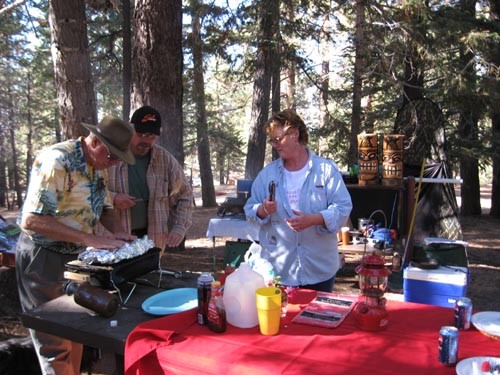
(371, 313)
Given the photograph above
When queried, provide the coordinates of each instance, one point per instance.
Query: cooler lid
(438, 240)
(445, 275)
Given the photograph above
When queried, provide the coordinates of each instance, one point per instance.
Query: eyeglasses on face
(276, 140)
(147, 135)
(109, 155)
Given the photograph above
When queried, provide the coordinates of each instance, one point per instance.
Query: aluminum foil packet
(127, 251)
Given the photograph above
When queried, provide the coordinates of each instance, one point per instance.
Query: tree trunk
(207, 178)
(276, 79)
(15, 169)
(75, 90)
(413, 73)
(291, 68)
(127, 59)
(3, 164)
(157, 67)
(468, 130)
(495, 184)
(269, 11)
(357, 89)
(29, 135)
(495, 122)
(325, 82)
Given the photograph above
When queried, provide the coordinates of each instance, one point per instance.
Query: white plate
(472, 366)
(488, 323)
(171, 301)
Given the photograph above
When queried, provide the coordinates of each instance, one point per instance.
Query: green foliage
(455, 51)
(105, 43)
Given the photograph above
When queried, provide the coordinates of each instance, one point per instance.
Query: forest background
(217, 69)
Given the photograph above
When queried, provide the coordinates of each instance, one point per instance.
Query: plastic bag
(259, 264)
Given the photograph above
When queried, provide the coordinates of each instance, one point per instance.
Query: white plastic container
(239, 296)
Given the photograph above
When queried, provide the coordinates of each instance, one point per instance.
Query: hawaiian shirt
(63, 185)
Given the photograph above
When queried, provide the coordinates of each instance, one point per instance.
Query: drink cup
(268, 301)
(345, 235)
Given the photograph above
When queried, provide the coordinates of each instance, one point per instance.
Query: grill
(110, 276)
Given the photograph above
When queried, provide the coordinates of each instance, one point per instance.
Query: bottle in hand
(216, 317)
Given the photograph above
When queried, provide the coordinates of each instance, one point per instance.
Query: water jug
(239, 296)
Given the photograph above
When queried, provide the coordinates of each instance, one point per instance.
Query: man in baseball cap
(153, 196)
(147, 120)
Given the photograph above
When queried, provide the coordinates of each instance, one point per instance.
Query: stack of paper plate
(488, 323)
(473, 365)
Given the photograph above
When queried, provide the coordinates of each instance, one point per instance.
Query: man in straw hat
(66, 199)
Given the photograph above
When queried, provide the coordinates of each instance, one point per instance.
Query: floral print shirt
(63, 185)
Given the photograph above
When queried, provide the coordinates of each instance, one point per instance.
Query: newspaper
(327, 310)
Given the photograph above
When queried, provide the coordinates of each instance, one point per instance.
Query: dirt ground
(481, 233)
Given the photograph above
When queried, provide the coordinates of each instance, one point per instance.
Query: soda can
(463, 313)
(448, 345)
(203, 283)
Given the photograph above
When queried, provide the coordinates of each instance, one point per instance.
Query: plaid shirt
(170, 204)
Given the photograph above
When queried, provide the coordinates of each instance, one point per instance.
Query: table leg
(214, 260)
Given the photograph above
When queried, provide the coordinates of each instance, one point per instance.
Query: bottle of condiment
(216, 317)
(96, 299)
(204, 281)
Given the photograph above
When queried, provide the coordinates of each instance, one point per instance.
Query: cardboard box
(440, 287)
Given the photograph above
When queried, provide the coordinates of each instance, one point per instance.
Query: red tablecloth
(176, 344)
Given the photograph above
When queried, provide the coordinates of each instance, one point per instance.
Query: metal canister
(463, 313)
(204, 281)
(448, 345)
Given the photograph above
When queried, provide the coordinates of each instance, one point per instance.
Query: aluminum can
(448, 345)
(463, 313)
(203, 283)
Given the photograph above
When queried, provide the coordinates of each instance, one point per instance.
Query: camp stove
(111, 276)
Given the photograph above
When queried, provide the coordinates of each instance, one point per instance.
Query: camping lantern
(371, 313)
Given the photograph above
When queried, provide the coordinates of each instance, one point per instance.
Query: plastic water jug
(239, 296)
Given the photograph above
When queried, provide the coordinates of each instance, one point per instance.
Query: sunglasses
(147, 135)
(276, 140)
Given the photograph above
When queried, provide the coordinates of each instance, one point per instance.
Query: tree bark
(207, 178)
(29, 135)
(468, 131)
(269, 12)
(75, 90)
(127, 59)
(325, 82)
(15, 168)
(291, 68)
(357, 89)
(495, 122)
(157, 67)
(3, 163)
(495, 184)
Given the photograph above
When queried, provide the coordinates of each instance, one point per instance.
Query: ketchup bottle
(216, 317)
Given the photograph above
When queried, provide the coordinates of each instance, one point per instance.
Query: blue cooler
(440, 287)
